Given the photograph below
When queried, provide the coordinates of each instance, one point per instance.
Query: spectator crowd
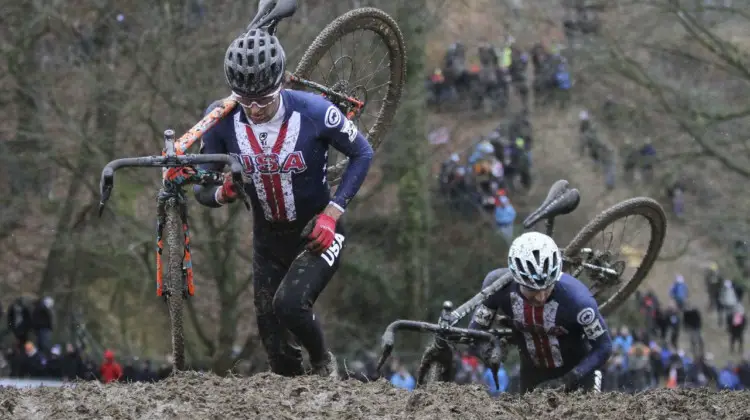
(33, 354)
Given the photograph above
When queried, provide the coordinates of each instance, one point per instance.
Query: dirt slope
(267, 396)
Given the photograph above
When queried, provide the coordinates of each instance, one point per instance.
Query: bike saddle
(272, 10)
(560, 200)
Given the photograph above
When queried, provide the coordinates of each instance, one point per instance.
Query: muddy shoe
(327, 368)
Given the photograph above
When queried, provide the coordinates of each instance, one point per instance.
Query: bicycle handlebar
(172, 160)
(465, 333)
(453, 334)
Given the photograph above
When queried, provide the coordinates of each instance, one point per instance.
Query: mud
(267, 396)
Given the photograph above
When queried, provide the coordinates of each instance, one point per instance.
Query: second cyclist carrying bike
(282, 137)
(561, 336)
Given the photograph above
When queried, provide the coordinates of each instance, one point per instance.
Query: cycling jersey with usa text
(566, 334)
(286, 158)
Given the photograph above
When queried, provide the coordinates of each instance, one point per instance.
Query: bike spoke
(613, 249)
(350, 69)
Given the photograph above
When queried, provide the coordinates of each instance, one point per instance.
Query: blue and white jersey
(566, 332)
(286, 158)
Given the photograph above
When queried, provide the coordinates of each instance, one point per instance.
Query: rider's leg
(307, 277)
(283, 357)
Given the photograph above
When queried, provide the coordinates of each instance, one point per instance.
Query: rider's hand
(227, 192)
(179, 174)
(322, 234)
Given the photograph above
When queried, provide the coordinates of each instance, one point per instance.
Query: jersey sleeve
(343, 135)
(485, 313)
(595, 331)
(211, 143)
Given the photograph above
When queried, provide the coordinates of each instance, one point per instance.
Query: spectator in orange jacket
(110, 370)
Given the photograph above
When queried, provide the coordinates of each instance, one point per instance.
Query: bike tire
(381, 23)
(642, 206)
(435, 373)
(174, 283)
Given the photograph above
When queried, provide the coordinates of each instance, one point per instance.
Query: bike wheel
(657, 221)
(365, 19)
(174, 284)
(436, 365)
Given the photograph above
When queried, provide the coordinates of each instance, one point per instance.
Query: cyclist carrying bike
(282, 138)
(562, 337)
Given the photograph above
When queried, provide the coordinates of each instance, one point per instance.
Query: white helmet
(535, 261)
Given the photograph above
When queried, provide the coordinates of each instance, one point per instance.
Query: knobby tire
(375, 20)
(642, 206)
(175, 249)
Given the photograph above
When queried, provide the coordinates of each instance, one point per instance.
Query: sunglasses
(258, 101)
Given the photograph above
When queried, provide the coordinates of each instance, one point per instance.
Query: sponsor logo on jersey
(333, 117)
(592, 327)
(586, 316)
(270, 163)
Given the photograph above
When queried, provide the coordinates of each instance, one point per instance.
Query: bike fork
(188, 287)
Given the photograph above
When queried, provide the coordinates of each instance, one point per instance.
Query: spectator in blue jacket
(624, 340)
(679, 292)
(403, 379)
(505, 215)
(728, 379)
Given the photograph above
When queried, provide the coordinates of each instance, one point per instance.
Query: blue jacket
(679, 291)
(505, 215)
(623, 342)
(728, 380)
(404, 382)
(563, 78)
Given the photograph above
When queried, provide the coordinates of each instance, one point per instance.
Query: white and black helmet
(254, 63)
(535, 261)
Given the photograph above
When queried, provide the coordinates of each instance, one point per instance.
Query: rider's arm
(343, 135)
(485, 313)
(595, 330)
(211, 142)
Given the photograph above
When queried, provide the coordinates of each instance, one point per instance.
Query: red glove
(227, 192)
(322, 234)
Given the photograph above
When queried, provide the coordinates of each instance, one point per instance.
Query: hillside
(555, 157)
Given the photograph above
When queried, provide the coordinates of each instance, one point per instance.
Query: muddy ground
(267, 396)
